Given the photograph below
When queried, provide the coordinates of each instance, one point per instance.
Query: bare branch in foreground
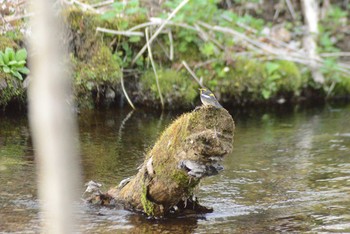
(52, 122)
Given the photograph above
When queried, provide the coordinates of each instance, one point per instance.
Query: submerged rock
(188, 150)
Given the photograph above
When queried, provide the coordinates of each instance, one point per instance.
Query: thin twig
(192, 73)
(125, 93)
(84, 6)
(335, 54)
(115, 32)
(206, 37)
(183, 3)
(198, 65)
(100, 4)
(18, 17)
(158, 21)
(154, 68)
(171, 50)
(291, 9)
(163, 48)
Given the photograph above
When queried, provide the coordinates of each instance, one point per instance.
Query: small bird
(208, 98)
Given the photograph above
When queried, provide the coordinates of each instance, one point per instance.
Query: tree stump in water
(188, 150)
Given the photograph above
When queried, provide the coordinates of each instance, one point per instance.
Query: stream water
(289, 172)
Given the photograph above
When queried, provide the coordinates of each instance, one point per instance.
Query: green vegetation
(177, 88)
(12, 68)
(13, 62)
(147, 205)
(224, 46)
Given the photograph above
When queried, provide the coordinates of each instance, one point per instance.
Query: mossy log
(188, 150)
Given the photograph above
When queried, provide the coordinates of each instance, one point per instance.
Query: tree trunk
(310, 12)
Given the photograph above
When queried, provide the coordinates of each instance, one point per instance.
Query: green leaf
(21, 55)
(208, 49)
(6, 58)
(108, 15)
(24, 70)
(131, 11)
(10, 53)
(6, 69)
(266, 93)
(118, 5)
(17, 74)
(134, 39)
(271, 67)
(21, 63)
(13, 62)
(1, 59)
(273, 77)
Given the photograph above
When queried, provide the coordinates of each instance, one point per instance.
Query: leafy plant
(270, 86)
(12, 62)
(125, 8)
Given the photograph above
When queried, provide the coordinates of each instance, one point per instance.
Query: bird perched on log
(208, 98)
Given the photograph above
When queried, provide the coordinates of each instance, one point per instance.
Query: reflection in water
(288, 172)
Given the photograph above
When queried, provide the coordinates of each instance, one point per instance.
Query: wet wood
(188, 150)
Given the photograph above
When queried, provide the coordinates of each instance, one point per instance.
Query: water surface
(289, 171)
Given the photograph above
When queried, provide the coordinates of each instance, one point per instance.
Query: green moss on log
(148, 206)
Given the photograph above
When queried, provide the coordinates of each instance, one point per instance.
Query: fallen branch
(183, 3)
(18, 17)
(83, 6)
(335, 54)
(171, 50)
(101, 4)
(116, 32)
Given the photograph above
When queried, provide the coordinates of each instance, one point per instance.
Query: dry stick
(157, 21)
(206, 37)
(241, 36)
(100, 4)
(125, 93)
(171, 51)
(335, 54)
(163, 48)
(154, 68)
(192, 73)
(14, 18)
(183, 3)
(291, 9)
(124, 33)
(84, 6)
(274, 51)
(288, 53)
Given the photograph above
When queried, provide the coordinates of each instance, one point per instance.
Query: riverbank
(104, 46)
